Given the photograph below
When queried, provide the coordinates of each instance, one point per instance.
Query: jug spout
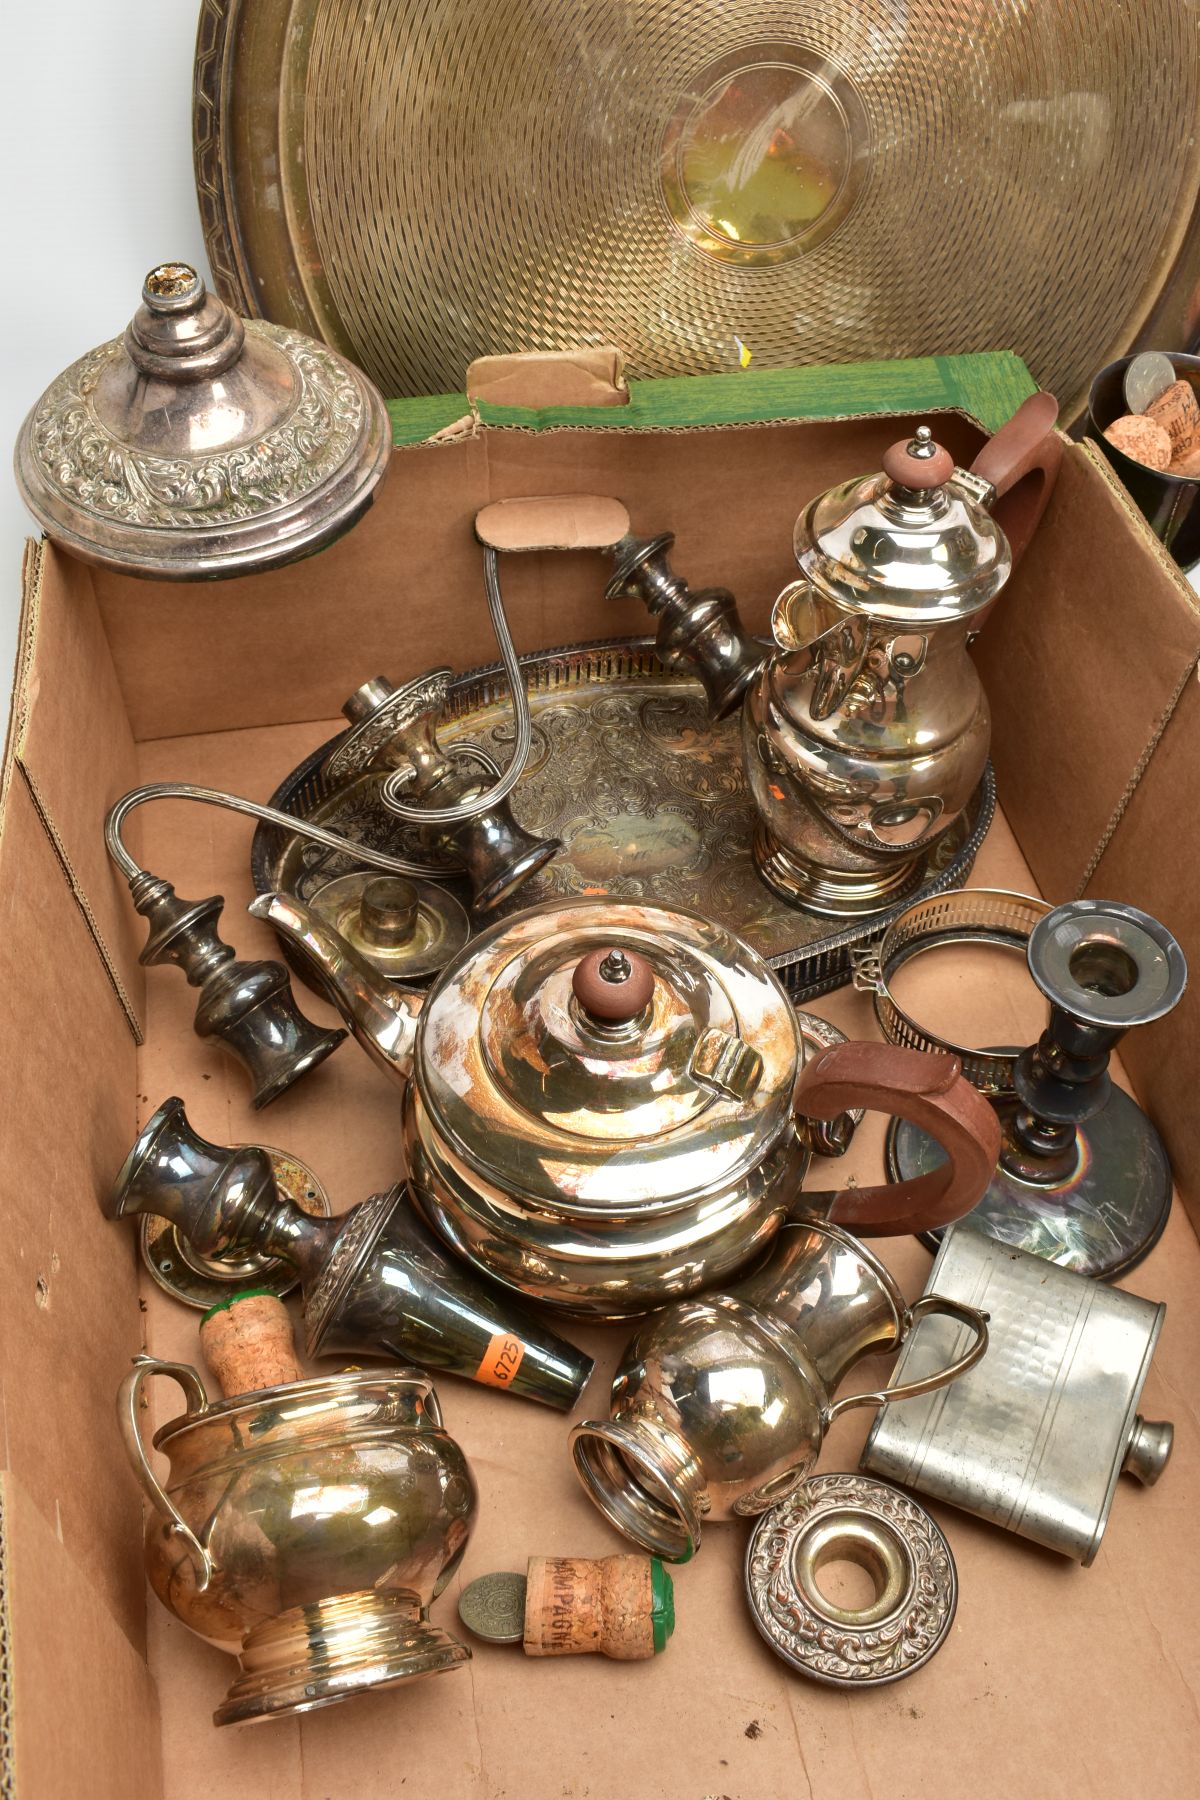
(383, 1018)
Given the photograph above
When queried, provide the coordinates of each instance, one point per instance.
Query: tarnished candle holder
(406, 930)
(700, 632)
(373, 1280)
(396, 729)
(1083, 1179)
(249, 1006)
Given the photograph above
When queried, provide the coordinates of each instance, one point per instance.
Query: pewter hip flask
(1036, 1435)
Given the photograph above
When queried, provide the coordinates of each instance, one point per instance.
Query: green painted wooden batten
(987, 387)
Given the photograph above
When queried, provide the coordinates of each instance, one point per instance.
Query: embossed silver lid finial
(200, 444)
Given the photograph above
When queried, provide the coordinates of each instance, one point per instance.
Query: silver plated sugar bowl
(306, 1528)
(608, 1106)
(867, 731)
(200, 444)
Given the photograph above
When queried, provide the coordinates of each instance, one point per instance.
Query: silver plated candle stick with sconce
(1082, 1178)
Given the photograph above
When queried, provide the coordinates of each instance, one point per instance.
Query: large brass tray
(646, 793)
(705, 181)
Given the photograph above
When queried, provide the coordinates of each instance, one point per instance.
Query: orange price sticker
(501, 1360)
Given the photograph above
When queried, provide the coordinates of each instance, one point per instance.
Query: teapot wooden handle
(1022, 461)
(929, 1091)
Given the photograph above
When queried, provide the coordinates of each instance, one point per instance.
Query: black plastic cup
(1170, 504)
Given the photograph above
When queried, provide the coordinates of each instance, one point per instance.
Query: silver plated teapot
(610, 1105)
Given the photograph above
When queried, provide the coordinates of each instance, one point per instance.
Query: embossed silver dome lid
(200, 444)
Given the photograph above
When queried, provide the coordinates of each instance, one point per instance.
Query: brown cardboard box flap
(1150, 860)
(1087, 655)
(69, 1320)
(66, 694)
(585, 377)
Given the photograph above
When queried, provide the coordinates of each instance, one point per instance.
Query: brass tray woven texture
(704, 182)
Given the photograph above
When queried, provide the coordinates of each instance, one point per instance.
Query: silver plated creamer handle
(128, 1399)
(909, 1390)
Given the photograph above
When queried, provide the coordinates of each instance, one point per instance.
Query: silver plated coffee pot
(867, 731)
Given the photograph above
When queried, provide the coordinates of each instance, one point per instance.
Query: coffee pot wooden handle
(929, 1091)
(1021, 461)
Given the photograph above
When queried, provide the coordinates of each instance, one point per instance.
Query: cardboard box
(1055, 1681)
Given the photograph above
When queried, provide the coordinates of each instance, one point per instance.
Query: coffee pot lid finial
(918, 462)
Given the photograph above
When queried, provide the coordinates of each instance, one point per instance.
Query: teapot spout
(382, 1017)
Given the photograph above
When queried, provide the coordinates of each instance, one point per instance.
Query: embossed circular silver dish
(644, 790)
(851, 1518)
(201, 445)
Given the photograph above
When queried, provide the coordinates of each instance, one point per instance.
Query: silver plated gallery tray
(644, 790)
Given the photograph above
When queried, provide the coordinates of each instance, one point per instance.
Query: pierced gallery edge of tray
(645, 791)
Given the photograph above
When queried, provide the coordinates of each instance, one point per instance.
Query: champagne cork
(247, 1343)
(1178, 412)
(1142, 439)
(1187, 463)
(620, 1606)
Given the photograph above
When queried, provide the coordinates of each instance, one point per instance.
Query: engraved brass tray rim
(806, 971)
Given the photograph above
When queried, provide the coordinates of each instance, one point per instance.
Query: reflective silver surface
(374, 1279)
(473, 826)
(306, 1529)
(601, 1168)
(610, 1164)
(701, 632)
(868, 730)
(846, 1518)
(645, 790)
(720, 1404)
(202, 445)
(248, 1005)
(1035, 1438)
